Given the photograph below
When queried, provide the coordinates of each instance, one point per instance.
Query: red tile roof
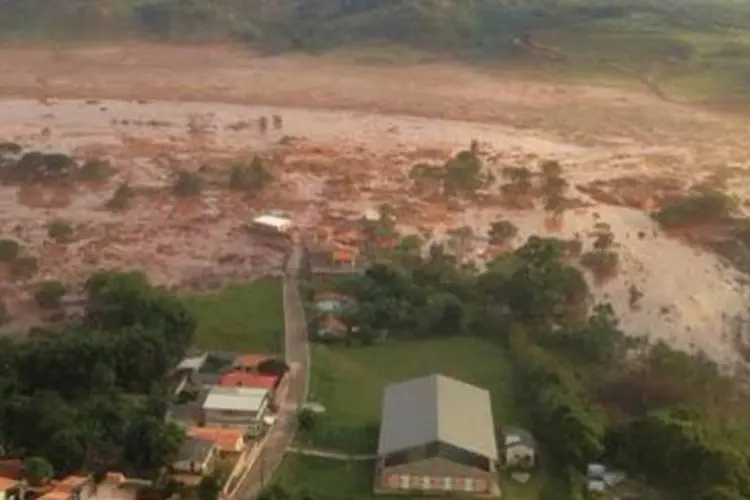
(238, 378)
(11, 468)
(250, 360)
(225, 439)
(7, 483)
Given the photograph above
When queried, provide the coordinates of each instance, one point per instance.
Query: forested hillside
(695, 48)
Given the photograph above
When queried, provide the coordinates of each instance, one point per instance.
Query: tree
(501, 231)
(37, 471)
(60, 231)
(306, 419)
(463, 174)
(519, 180)
(253, 177)
(49, 294)
(186, 183)
(150, 443)
(4, 314)
(121, 198)
(9, 250)
(209, 488)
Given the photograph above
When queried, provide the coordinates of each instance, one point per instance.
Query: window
(405, 482)
(468, 484)
(447, 483)
(425, 482)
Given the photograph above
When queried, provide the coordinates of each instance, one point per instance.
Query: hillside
(696, 49)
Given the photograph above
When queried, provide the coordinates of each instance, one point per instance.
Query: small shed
(272, 223)
(519, 448)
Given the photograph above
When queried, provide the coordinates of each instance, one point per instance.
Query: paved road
(297, 355)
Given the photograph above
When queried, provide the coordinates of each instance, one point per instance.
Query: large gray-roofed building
(437, 434)
(437, 408)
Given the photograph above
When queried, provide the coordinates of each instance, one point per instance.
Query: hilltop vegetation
(692, 47)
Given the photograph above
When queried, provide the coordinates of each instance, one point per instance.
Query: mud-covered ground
(349, 137)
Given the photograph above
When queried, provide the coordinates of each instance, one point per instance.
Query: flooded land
(343, 140)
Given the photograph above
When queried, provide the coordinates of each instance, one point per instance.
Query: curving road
(297, 355)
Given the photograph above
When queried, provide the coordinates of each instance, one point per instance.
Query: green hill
(690, 48)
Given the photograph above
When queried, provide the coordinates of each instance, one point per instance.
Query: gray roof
(437, 408)
(517, 435)
(194, 450)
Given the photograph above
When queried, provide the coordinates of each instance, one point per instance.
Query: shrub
(94, 170)
(49, 293)
(60, 231)
(253, 177)
(37, 471)
(186, 184)
(121, 198)
(9, 250)
(602, 263)
(11, 148)
(699, 206)
(24, 267)
(501, 231)
(4, 314)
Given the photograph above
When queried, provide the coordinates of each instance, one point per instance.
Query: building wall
(436, 475)
(230, 419)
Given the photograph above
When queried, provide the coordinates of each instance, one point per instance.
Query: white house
(234, 407)
(272, 223)
(519, 448)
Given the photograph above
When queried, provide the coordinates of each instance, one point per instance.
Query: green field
(243, 318)
(349, 382)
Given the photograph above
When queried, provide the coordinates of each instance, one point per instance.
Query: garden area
(243, 318)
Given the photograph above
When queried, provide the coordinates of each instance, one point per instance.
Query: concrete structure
(272, 223)
(519, 448)
(437, 436)
(196, 459)
(114, 487)
(234, 407)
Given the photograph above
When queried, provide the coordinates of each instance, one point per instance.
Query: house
(272, 223)
(195, 459)
(436, 436)
(519, 448)
(237, 378)
(234, 407)
(227, 441)
(7, 486)
(331, 302)
(249, 362)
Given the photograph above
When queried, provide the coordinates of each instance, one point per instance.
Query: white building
(272, 223)
(234, 407)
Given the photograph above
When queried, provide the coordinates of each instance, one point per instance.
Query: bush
(49, 294)
(186, 184)
(37, 471)
(94, 170)
(501, 231)
(253, 177)
(11, 148)
(121, 198)
(699, 206)
(24, 267)
(4, 314)
(602, 263)
(9, 250)
(60, 231)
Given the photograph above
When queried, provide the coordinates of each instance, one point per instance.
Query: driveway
(297, 355)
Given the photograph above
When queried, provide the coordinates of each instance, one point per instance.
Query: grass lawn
(243, 318)
(349, 382)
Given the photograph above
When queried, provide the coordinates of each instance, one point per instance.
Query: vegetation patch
(319, 478)
(9, 250)
(342, 375)
(60, 231)
(122, 198)
(700, 206)
(243, 318)
(250, 178)
(49, 294)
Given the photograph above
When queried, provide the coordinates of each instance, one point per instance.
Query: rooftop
(274, 221)
(192, 363)
(516, 435)
(6, 483)
(437, 408)
(235, 399)
(250, 360)
(194, 450)
(224, 439)
(238, 378)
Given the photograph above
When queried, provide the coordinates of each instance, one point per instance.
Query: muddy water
(73, 123)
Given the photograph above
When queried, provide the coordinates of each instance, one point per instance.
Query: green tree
(9, 250)
(253, 177)
(209, 488)
(501, 231)
(37, 471)
(60, 231)
(186, 183)
(49, 294)
(463, 174)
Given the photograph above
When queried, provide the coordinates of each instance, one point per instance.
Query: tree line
(589, 392)
(91, 395)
